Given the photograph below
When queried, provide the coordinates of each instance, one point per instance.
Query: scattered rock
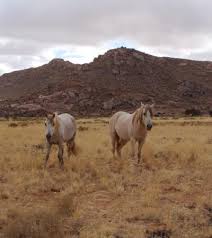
(82, 128)
(193, 112)
(158, 233)
(12, 124)
(138, 56)
(4, 196)
(109, 104)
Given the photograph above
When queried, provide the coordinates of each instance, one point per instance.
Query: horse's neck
(57, 125)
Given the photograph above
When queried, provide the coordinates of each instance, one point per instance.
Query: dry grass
(169, 195)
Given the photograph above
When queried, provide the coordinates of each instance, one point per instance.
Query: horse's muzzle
(149, 127)
(48, 137)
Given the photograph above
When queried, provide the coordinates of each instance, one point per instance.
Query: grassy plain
(98, 196)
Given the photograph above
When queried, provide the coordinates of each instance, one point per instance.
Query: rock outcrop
(117, 80)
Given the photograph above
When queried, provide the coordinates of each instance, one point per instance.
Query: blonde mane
(53, 118)
(56, 123)
(138, 117)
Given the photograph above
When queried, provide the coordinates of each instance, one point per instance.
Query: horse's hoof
(140, 161)
(62, 166)
(134, 158)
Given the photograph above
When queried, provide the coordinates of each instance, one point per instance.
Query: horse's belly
(67, 127)
(122, 129)
(68, 133)
(123, 134)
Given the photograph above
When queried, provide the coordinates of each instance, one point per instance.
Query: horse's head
(50, 124)
(147, 114)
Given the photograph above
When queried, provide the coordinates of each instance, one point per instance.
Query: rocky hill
(117, 80)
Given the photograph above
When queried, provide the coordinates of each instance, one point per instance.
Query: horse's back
(68, 126)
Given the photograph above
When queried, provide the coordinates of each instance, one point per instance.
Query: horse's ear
(48, 115)
(142, 104)
(152, 106)
(54, 115)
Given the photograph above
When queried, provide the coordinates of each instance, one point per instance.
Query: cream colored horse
(60, 129)
(133, 127)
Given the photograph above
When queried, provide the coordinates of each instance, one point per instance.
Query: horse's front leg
(133, 142)
(140, 145)
(60, 154)
(47, 153)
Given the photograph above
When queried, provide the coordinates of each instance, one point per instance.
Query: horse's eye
(45, 123)
(144, 113)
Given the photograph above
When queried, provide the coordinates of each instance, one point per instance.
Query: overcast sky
(32, 32)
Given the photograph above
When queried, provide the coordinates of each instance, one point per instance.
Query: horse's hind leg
(71, 148)
(121, 143)
(114, 141)
(68, 149)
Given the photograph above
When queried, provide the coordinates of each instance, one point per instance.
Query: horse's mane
(138, 116)
(56, 122)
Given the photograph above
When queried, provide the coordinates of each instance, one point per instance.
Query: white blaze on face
(49, 128)
(147, 118)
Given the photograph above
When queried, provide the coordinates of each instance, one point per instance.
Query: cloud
(160, 22)
(4, 68)
(77, 30)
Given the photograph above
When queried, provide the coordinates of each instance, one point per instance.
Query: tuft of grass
(35, 224)
(67, 205)
(12, 124)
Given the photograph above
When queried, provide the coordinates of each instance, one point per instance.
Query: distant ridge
(119, 79)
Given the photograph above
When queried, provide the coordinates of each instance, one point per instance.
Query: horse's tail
(72, 146)
(75, 149)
